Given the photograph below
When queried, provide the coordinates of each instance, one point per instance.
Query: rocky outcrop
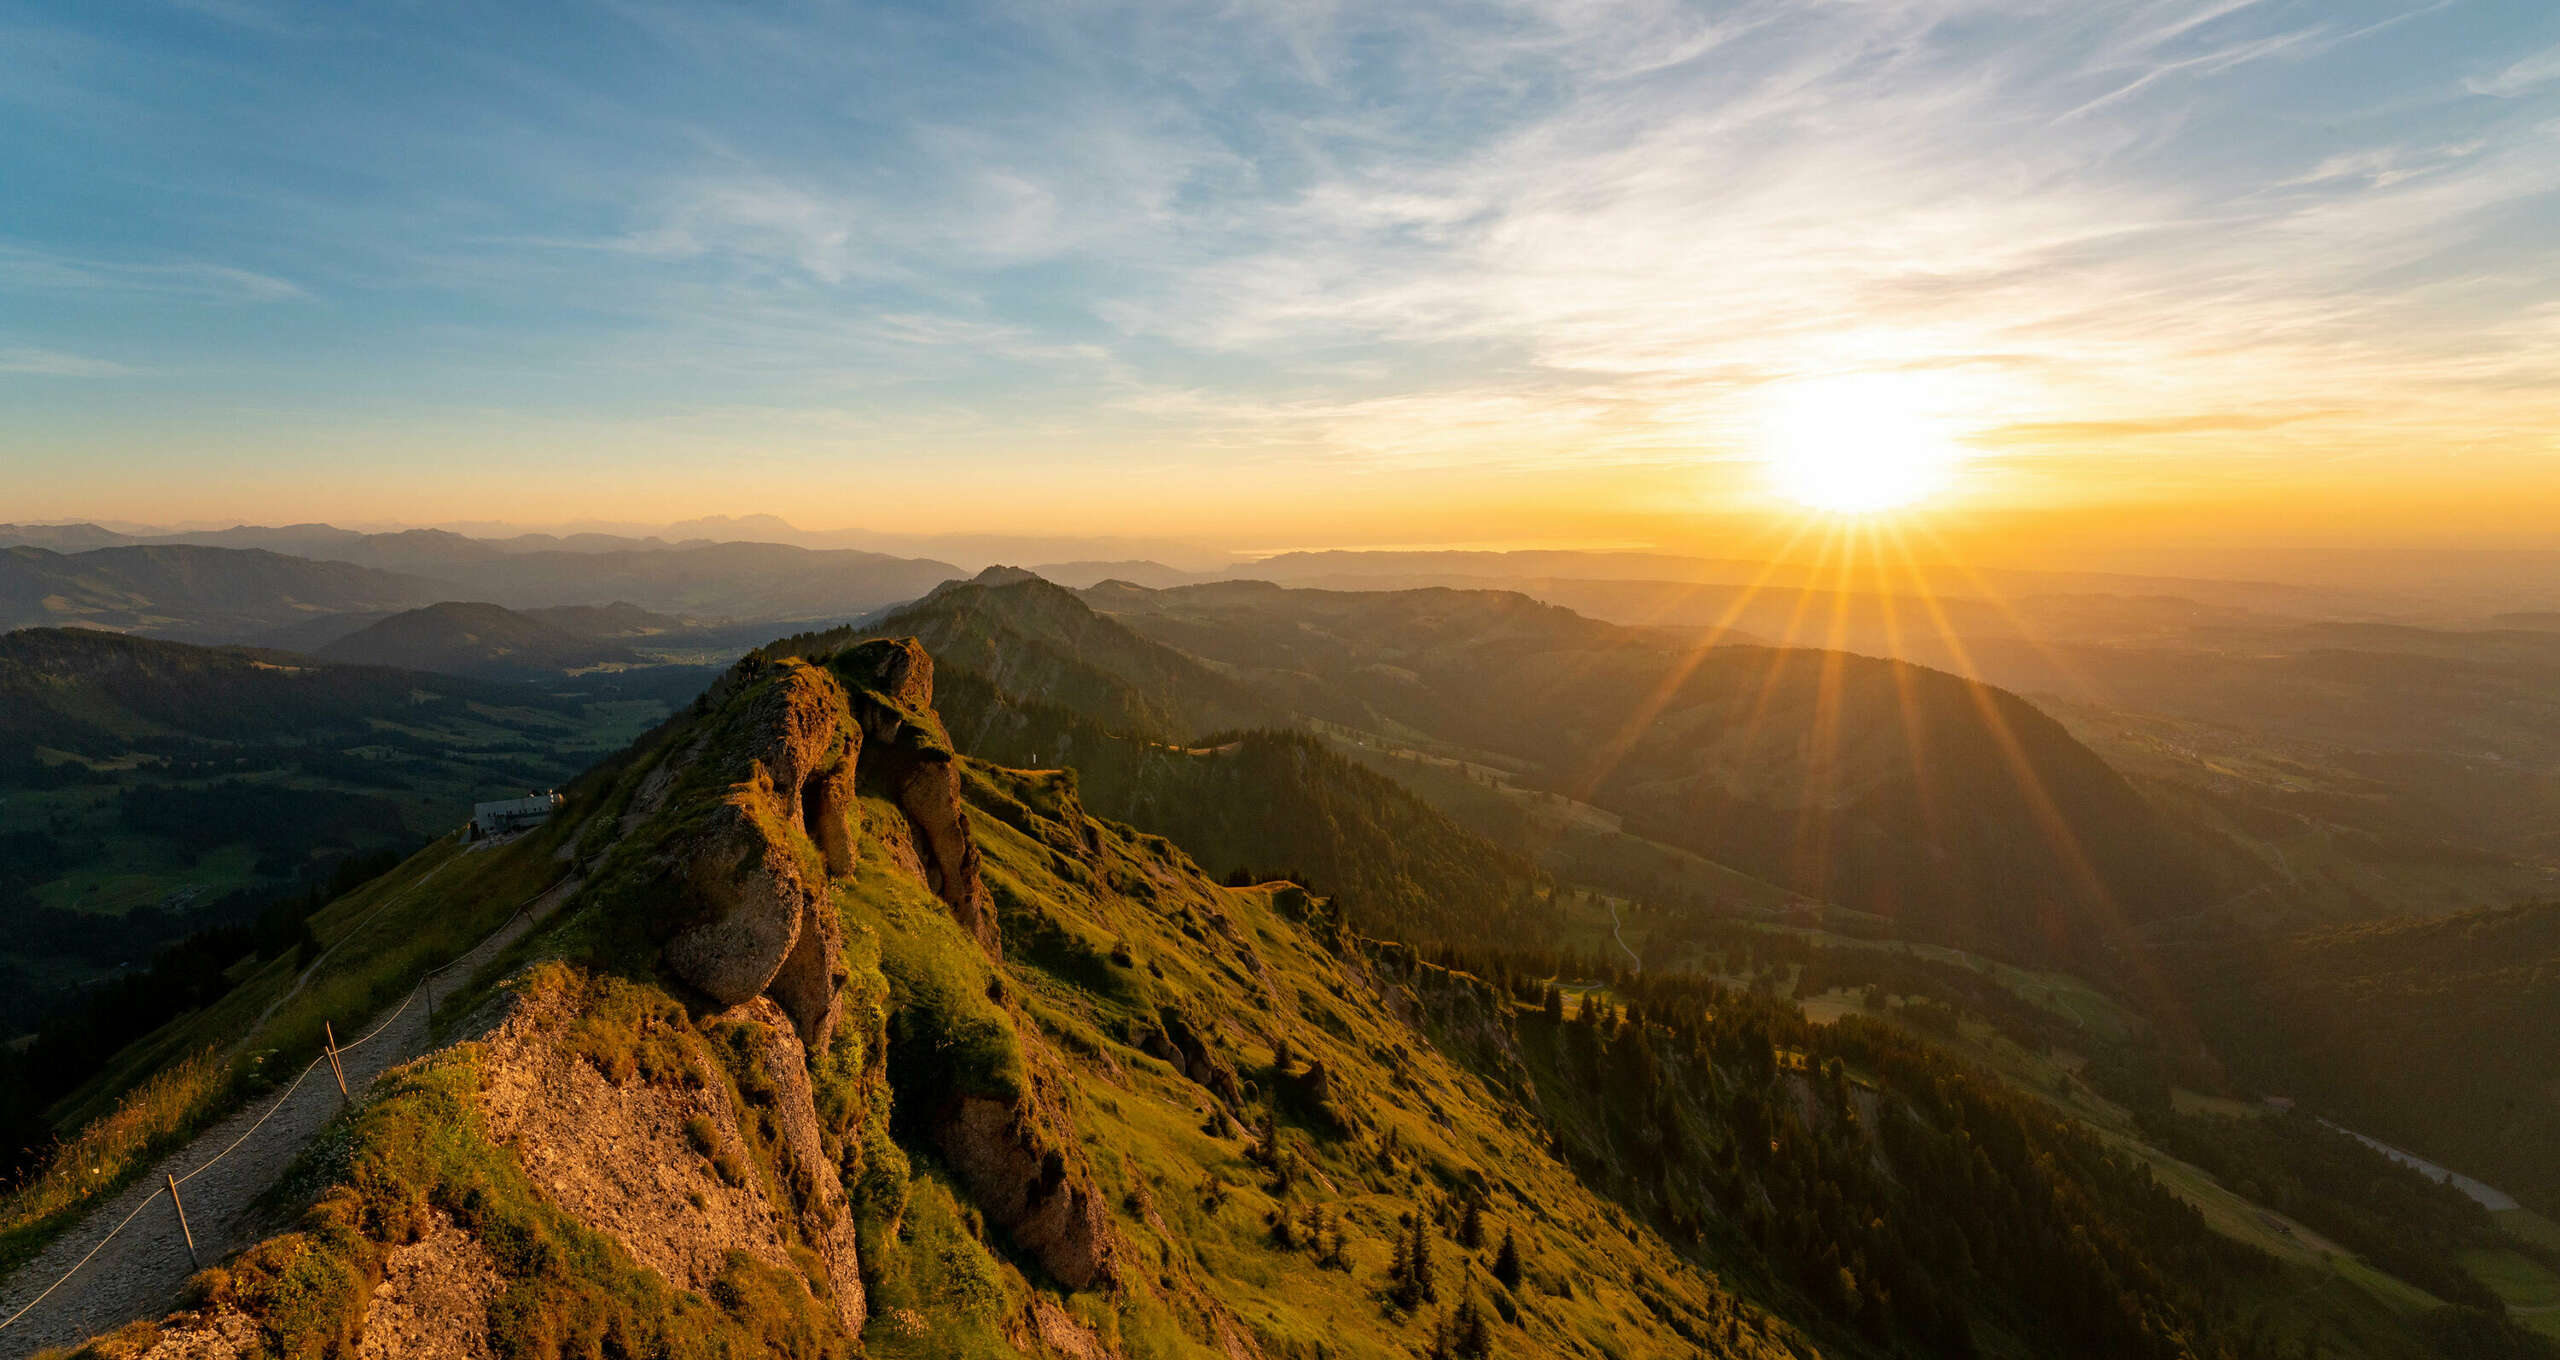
(1184, 1047)
(756, 919)
(909, 760)
(808, 1174)
(1034, 1184)
(433, 1300)
(643, 1162)
(749, 897)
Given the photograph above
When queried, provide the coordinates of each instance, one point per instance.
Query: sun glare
(1857, 445)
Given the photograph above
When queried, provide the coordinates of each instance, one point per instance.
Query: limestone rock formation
(1037, 1187)
(910, 760)
(756, 919)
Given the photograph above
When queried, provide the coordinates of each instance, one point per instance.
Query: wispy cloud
(2524, 77)
(56, 364)
(24, 268)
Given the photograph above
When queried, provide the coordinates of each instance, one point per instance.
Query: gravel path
(139, 1272)
(1618, 932)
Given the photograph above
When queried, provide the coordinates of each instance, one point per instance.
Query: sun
(1857, 445)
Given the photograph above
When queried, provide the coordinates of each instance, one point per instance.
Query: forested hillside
(2431, 1034)
(153, 789)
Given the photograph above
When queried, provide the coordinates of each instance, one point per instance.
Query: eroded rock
(809, 1174)
(909, 758)
(627, 1159)
(749, 895)
(1025, 1181)
(756, 918)
(433, 1300)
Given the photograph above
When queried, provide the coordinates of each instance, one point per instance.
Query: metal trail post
(183, 1230)
(335, 1068)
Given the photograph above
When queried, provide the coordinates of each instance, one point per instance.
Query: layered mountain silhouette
(191, 593)
(206, 593)
(477, 639)
(1031, 676)
(1954, 809)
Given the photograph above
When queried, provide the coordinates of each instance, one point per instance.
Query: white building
(512, 814)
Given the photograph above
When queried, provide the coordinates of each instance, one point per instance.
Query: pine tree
(1400, 1274)
(1469, 1337)
(1424, 1287)
(1506, 1262)
(1471, 1227)
(1409, 1282)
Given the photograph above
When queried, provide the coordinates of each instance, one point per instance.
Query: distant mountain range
(476, 639)
(192, 593)
(205, 593)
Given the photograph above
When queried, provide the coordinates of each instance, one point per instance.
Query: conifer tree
(1506, 1262)
(1424, 1287)
(1469, 1337)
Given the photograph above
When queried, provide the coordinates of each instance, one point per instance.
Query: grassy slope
(1236, 954)
(379, 940)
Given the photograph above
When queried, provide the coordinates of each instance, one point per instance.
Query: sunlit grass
(107, 1151)
(168, 1085)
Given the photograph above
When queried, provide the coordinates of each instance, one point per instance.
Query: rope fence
(336, 1049)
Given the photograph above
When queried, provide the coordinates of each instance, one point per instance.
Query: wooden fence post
(183, 1230)
(335, 1068)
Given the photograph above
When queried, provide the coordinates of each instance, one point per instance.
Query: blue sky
(1480, 268)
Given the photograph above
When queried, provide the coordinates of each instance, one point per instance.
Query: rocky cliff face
(914, 765)
(668, 1162)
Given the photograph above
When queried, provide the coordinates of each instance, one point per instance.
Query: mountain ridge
(486, 640)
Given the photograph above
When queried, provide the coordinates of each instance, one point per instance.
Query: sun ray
(1915, 738)
(2050, 822)
(1813, 850)
(2083, 685)
(1607, 756)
